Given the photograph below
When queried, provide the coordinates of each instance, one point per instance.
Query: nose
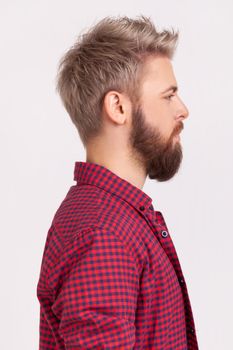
(183, 111)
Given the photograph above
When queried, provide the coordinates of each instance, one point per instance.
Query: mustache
(178, 128)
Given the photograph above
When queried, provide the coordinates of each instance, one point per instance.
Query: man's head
(111, 82)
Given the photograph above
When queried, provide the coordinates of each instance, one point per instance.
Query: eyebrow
(172, 87)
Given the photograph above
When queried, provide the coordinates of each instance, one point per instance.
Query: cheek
(159, 115)
(166, 120)
(166, 130)
(154, 111)
(164, 123)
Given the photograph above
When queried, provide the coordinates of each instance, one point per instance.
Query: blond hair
(109, 56)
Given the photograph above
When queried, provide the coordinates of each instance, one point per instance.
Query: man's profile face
(157, 120)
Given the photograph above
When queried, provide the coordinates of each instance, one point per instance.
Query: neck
(122, 166)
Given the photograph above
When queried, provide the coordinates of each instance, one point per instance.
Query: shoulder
(88, 213)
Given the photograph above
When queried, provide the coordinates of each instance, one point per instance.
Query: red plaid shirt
(110, 277)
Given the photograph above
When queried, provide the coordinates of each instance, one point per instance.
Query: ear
(117, 107)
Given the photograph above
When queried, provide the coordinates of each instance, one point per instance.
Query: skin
(140, 140)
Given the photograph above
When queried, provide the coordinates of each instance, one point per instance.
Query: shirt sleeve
(98, 288)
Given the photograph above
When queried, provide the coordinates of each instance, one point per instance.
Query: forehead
(158, 73)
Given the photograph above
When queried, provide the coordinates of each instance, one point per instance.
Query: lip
(177, 137)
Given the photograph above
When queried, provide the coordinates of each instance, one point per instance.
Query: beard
(159, 156)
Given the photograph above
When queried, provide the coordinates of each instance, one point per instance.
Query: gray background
(39, 146)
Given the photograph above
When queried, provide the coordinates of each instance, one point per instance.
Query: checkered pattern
(110, 277)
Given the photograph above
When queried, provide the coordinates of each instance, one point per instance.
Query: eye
(169, 97)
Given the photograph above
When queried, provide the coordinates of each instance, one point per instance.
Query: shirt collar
(100, 176)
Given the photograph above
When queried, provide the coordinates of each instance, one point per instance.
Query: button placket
(159, 228)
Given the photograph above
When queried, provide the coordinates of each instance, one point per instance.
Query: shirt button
(142, 207)
(164, 233)
(181, 280)
(191, 330)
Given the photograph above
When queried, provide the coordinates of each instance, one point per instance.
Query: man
(110, 277)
